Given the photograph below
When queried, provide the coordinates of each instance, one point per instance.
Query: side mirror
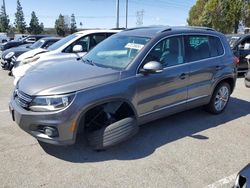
(152, 67)
(77, 48)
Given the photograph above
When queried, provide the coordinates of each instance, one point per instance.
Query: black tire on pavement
(113, 134)
(211, 106)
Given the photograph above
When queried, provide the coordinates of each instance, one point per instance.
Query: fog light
(50, 131)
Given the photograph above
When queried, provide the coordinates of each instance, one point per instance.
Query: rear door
(202, 53)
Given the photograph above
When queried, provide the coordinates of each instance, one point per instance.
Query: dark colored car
(247, 75)
(7, 55)
(247, 79)
(243, 178)
(27, 40)
(131, 78)
(240, 44)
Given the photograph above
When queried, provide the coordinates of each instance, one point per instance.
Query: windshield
(232, 40)
(61, 42)
(37, 44)
(116, 52)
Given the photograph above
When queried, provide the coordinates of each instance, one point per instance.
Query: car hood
(31, 53)
(14, 43)
(53, 78)
(16, 50)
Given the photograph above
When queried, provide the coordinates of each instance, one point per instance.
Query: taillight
(236, 60)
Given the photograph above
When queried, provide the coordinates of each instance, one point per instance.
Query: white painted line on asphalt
(1, 111)
(224, 181)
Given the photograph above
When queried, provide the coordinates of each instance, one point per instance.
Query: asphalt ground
(189, 149)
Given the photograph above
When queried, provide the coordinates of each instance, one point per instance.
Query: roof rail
(188, 27)
(143, 27)
(166, 29)
(118, 28)
(201, 28)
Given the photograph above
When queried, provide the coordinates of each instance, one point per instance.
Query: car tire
(220, 98)
(10, 73)
(113, 134)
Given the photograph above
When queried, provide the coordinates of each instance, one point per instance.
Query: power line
(162, 5)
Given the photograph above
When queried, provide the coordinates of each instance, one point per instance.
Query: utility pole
(117, 13)
(126, 13)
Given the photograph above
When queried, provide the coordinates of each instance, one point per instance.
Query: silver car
(133, 77)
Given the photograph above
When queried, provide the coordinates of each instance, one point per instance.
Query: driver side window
(168, 52)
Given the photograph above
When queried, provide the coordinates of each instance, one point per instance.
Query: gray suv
(133, 77)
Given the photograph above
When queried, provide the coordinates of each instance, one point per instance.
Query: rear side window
(216, 47)
(198, 47)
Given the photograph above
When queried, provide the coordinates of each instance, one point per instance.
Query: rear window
(200, 47)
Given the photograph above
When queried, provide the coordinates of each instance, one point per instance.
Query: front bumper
(32, 122)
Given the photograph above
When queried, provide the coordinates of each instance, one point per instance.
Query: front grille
(22, 99)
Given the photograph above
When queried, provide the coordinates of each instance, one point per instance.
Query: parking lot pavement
(190, 149)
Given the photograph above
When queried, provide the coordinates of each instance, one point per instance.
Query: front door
(162, 91)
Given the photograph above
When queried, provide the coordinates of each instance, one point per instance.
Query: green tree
(235, 12)
(42, 27)
(214, 16)
(223, 15)
(60, 26)
(247, 17)
(34, 27)
(73, 27)
(19, 21)
(4, 20)
(195, 13)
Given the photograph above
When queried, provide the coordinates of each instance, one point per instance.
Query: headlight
(51, 103)
(9, 55)
(29, 60)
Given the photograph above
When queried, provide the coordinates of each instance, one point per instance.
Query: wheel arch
(229, 79)
(82, 113)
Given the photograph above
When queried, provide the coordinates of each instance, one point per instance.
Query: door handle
(183, 76)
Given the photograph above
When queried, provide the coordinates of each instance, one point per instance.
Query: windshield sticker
(134, 46)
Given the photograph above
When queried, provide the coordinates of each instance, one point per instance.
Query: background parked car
(4, 38)
(247, 76)
(243, 178)
(27, 40)
(71, 47)
(240, 44)
(13, 53)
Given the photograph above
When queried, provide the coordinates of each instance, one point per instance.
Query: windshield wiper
(90, 62)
